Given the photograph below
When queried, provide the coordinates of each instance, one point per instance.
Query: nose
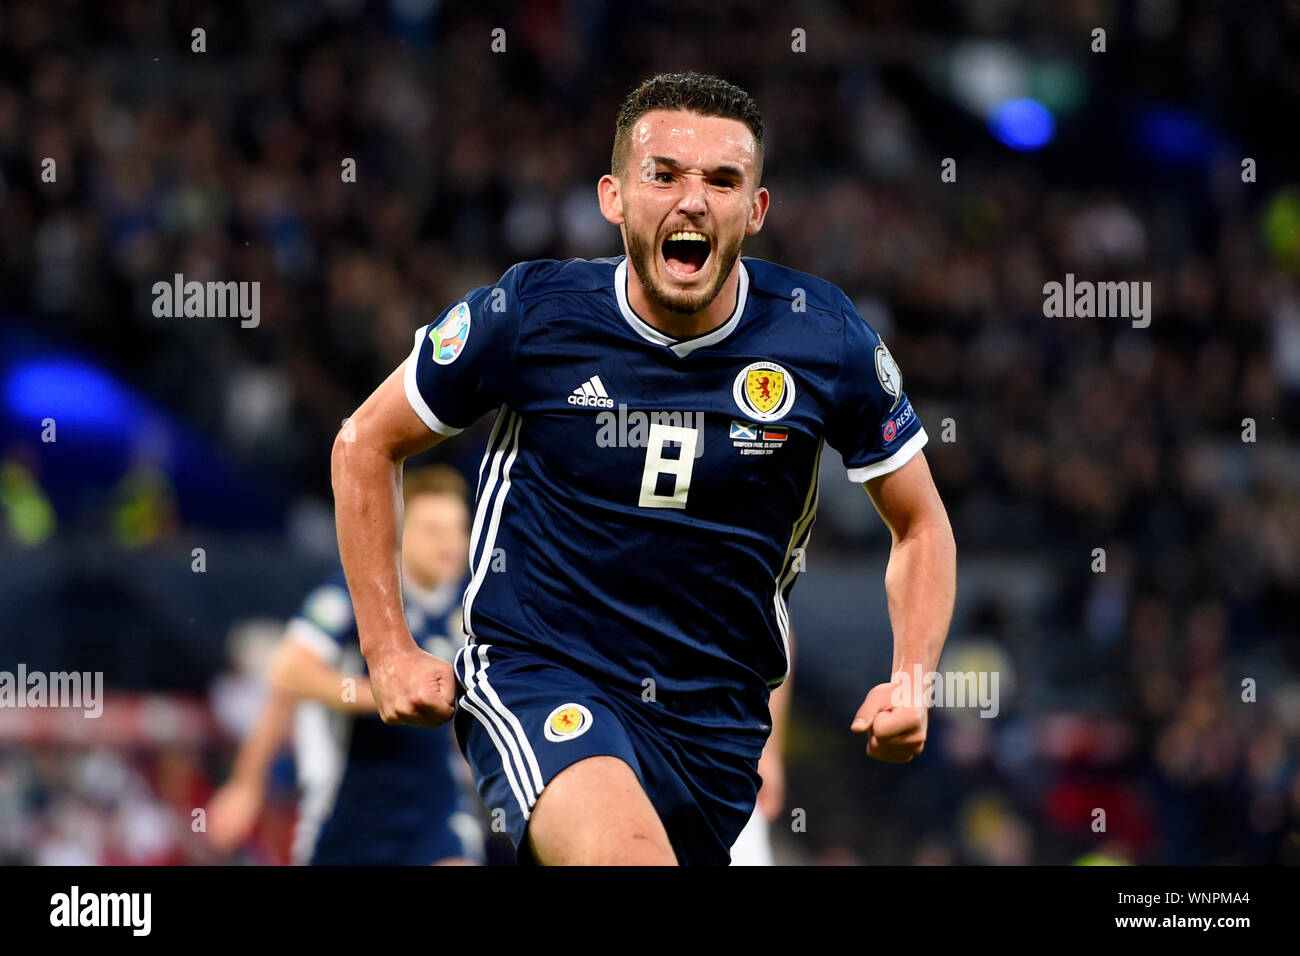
(692, 202)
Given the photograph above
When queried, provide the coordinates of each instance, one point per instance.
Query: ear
(757, 211)
(609, 191)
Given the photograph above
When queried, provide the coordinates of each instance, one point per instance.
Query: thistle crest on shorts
(567, 722)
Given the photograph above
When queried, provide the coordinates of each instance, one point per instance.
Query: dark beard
(642, 257)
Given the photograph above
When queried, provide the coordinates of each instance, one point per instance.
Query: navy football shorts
(521, 719)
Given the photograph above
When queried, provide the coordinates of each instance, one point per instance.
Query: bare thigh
(595, 813)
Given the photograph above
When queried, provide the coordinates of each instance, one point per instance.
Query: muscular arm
(921, 579)
(366, 470)
(921, 586)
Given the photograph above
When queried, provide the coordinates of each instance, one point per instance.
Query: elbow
(929, 524)
(937, 524)
(944, 529)
(280, 672)
(943, 536)
(339, 454)
(352, 459)
(933, 538)
(277, 681)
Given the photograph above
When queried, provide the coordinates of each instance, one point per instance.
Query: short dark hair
(695, 92)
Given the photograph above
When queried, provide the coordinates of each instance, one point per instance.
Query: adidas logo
(591, 394)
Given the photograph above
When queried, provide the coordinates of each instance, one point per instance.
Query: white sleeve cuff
(895, 461)
(418, 404)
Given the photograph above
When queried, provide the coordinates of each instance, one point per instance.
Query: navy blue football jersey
(374, 793)
(643, 500)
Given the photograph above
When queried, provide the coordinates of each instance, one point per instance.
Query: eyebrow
(735, 172)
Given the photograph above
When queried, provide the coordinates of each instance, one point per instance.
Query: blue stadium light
(1023, 124)
(72, 392)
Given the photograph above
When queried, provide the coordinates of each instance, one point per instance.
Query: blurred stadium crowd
(1063, 434)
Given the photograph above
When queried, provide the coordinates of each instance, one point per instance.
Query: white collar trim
(683, 347)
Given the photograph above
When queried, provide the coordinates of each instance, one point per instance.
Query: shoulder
(822, 305)
(538, 277)
(771, 281)
(536, 289)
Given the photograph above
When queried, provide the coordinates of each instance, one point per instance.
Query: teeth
(688, 237)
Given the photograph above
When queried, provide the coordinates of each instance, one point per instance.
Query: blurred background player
(372, 794)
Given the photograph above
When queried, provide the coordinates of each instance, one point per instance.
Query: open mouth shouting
(685, 253)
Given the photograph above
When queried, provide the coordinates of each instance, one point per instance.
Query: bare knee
(595, 813)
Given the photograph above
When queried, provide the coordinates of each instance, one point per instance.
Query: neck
(684, 325)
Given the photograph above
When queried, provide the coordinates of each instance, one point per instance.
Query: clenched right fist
(413, 687)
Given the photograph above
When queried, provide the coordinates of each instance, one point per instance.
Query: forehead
(438, 506)
(692, 139)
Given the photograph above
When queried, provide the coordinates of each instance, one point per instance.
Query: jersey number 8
(679, 467)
